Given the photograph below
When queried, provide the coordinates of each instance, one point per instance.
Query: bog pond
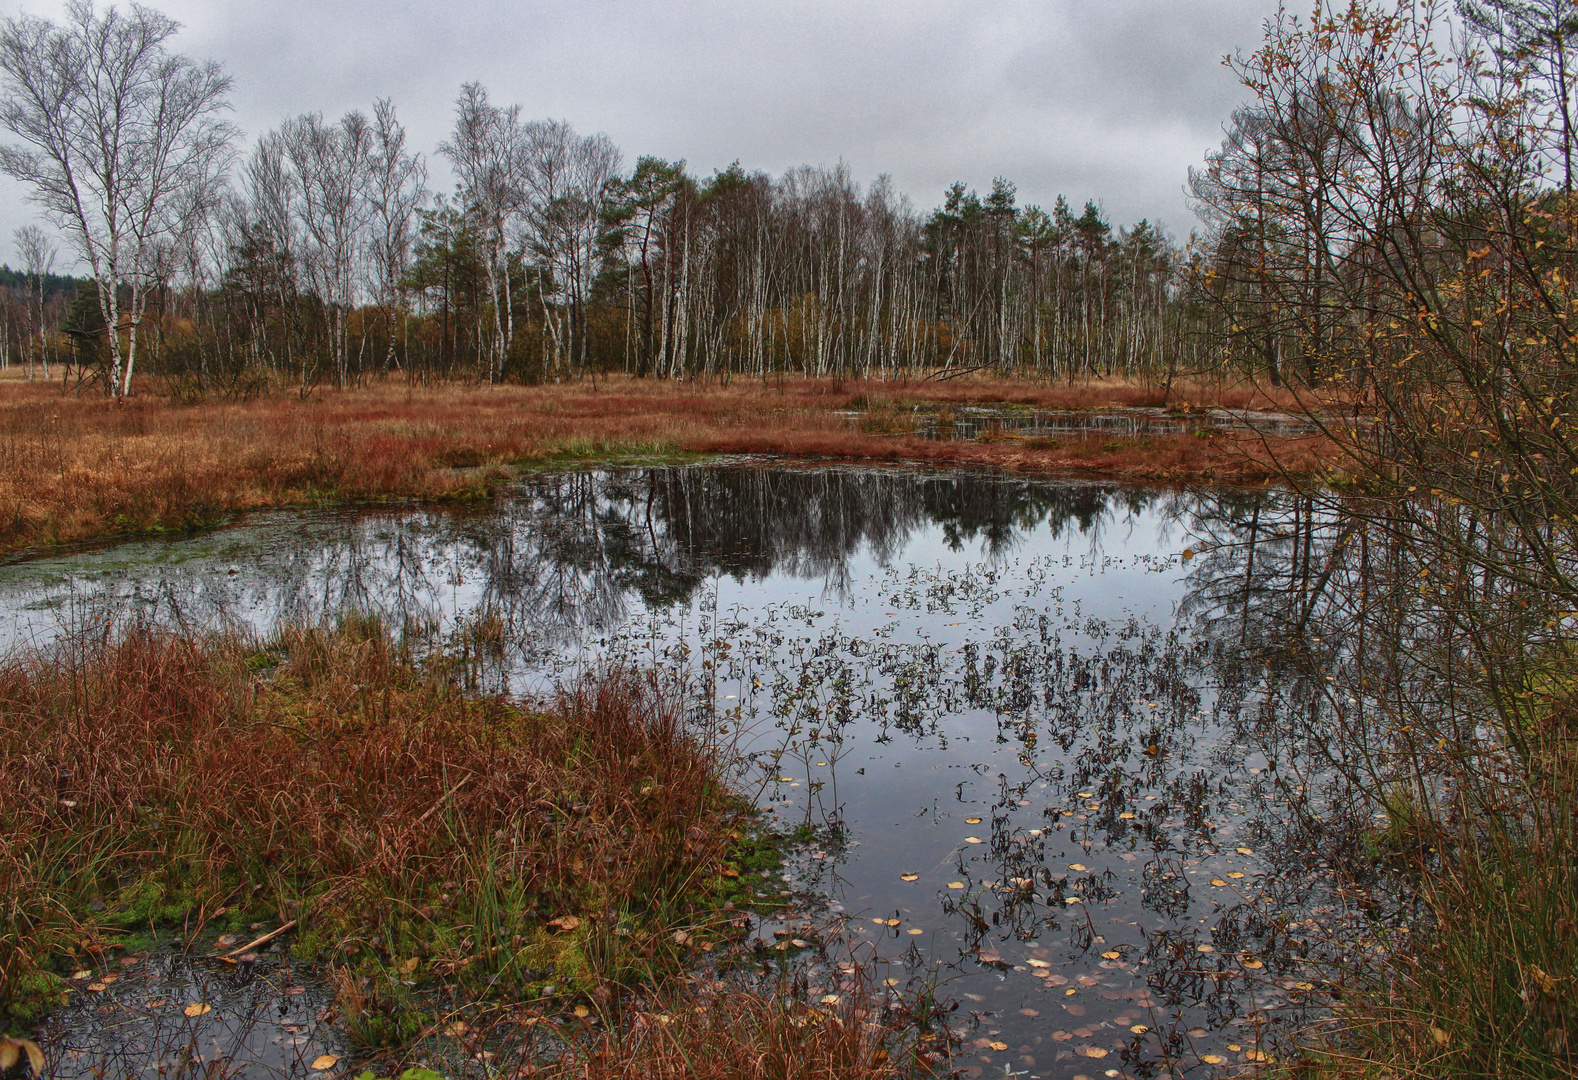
(1029, 728)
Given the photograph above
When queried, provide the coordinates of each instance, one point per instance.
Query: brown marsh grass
(75, 468)
(334, 779)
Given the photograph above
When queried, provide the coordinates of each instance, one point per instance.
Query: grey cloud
(1101, 100)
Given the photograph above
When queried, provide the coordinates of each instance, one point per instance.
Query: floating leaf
(1029, 1012)
(1139, 1029)
(998, 1045)
(1304, 985)
(972, 821)
(1112, 954)
(1087, 794)
(1253, 965)
(1219, 883)
(890, 922)
(1073, 900)
(1126, 815)
(196, 1008)
(1234, 1047)
(909, 877)
(972, 839)
(1235, 874)
(890, 982)
(916, 930)
(1258, 1055)
(1212, 1059)
(799, 943)
(1038, 963)
(1081, 867)
(1244, 851)
(828, 999)
(324, 1062)
(1091, 1052)
(97, 986)
(955, 884)
(1204, 948)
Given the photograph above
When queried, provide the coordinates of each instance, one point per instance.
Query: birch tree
(38, 259)
(113, 128)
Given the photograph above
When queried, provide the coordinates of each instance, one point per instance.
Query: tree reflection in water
(901, 654)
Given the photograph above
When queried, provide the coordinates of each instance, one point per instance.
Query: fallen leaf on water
(1253, 965)
(1244, 851)
(916, 930)
(1219, 883)
(972, 821)
(1304, 985)
(96, 987)
(1212, 1059)
(1257, 1055)
(998, 1045)
(1234, 1047)
(1139, 1029)
(972, 839)
(890, 982)
(1235, 874)
(1038, 963)
(1070, 992)
(1029, 1012)
(1091, 1052)
(1087, 794)
(891, 922)
(828, 999)
(1126, 815)
(799, 943)
(1081, 867)
(1112, 954)
(909, 877)
(582, 1012)
(1204, 948)
(1061, 1036)
(196, 1008)
(324, 1062)
(955, 884)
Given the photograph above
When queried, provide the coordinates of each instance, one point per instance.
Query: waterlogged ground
(1029, 725)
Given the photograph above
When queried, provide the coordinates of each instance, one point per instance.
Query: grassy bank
(335, 783)
(79, 468)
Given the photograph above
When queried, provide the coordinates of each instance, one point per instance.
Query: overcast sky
(1110, 100)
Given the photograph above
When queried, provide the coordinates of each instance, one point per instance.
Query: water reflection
(1044, 735)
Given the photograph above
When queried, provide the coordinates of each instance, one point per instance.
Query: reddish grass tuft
(337, 779)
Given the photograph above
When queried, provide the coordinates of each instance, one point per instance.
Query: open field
(82, 467)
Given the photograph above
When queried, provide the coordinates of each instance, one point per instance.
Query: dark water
(973, 422)
(1032, 725)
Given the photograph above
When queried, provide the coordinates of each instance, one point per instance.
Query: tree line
(318, 254)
